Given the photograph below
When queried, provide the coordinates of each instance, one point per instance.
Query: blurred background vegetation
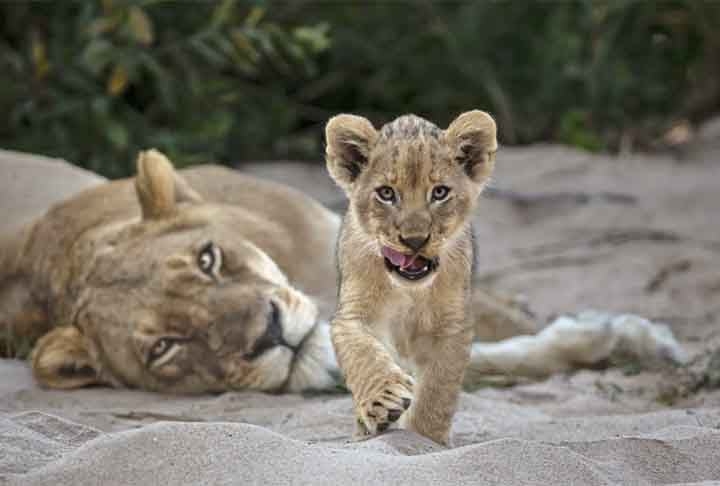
(95, 81)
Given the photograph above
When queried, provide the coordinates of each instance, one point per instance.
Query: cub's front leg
(441, 363)
(381, 390)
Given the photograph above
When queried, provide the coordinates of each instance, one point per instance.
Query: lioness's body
(52, 269)
(406, 256)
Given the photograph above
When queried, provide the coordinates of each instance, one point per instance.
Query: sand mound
(675, 450)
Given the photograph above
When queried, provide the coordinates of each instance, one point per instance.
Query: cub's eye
(160, 349)
(440, 193)
(209, 259)
(386, 194)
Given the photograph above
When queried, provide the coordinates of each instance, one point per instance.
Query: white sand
(660, 448)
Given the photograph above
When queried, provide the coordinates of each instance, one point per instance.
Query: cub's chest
(402, 320)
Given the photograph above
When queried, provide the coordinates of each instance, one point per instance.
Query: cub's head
(412, 186)
(181, 297)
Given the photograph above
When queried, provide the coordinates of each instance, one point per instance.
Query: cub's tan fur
(391, 327)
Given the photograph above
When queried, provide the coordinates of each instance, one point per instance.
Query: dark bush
(96, 81)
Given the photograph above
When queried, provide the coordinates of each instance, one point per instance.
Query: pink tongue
(397, 258)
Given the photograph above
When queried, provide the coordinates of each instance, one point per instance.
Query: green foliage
(96, 81)
(574, 130)
(582, 72)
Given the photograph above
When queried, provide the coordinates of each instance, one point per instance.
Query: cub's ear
(159, 187)
(349, 140)
(473, 137)
(60, 359)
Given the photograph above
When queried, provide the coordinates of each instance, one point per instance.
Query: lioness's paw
(391, 396)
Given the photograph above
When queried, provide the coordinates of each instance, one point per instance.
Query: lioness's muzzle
(273, 335)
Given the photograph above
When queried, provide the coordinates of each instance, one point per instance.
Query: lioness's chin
(314, 366)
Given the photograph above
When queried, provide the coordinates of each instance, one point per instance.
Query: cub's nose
(415, 243)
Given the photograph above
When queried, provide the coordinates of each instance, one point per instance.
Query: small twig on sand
(611, 237)
(133, 415)
(665, 273)
(525, 200)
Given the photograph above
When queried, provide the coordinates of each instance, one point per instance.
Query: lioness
(405, 254)
(206, 281)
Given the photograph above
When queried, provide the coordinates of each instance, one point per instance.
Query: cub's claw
(385, 406)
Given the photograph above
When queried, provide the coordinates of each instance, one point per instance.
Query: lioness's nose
(415, 243)
(273, 335)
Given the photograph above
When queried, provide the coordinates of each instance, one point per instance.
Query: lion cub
(405, 255)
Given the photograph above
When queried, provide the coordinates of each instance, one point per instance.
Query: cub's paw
(389, 398)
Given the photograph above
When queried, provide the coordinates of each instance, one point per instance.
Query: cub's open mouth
(410, 267)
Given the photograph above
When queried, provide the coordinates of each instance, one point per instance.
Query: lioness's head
(411, 185)
(180, 298)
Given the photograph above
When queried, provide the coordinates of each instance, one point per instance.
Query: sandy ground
(567, 230)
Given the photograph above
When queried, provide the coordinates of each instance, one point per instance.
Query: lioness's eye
(160, 347)
(385, 194)
(209, 259)
(440, 193)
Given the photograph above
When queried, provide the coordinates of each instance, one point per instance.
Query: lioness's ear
(473, 137)
(159, 187)
(349, 140)
(60, 359)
